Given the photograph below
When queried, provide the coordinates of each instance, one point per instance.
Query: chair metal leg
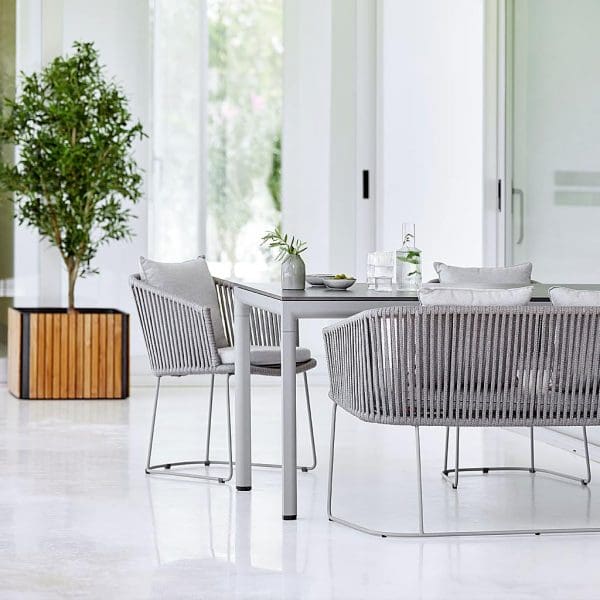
(229, 443)
(304, 469)
(420, 477)
(209, 424)
(166, 468)
(331, 459)
(456, 470)
(421, 533)
(532, 450)
(310, 427)
(588, 479)
(156, 393)
(531, 469)
(446, 450)
(456, 459)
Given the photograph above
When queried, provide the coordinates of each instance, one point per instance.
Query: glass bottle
(408, 260)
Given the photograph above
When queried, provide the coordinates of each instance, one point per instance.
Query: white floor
(79, 519)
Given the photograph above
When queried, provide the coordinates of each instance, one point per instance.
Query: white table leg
(243, 424)
(289, 336)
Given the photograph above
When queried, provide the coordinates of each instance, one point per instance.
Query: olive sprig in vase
(289, 249)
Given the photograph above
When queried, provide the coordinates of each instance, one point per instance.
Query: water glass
(380, 271)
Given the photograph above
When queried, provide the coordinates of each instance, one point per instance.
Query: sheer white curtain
(217, 132)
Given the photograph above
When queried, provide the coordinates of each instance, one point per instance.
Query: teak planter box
(55, 354)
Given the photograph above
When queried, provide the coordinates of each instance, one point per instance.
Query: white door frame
(497, 160)
(499, 195)
(367, 129)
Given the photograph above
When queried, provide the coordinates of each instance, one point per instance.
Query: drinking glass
(380, 271)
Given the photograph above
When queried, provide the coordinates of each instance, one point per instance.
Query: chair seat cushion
(441, 296)
(263, 355)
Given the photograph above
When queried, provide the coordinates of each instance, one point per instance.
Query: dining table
(292, 305)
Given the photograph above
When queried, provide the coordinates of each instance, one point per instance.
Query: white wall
(431, 136)
(306, 126)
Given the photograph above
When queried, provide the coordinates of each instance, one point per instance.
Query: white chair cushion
(469, 297)
(562, 296)
(578, 379)
(190, 280)
(263, 355)
(448, 274)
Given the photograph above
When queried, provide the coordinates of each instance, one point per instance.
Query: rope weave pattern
(265, 326)
(468, 366)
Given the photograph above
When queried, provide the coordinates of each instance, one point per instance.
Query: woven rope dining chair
(535, 365)
(180, 341)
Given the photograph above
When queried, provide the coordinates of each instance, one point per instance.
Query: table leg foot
(289, 517)
(243, 488)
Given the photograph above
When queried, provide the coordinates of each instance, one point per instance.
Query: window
(217, 132)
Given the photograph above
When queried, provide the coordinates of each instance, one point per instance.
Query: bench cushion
(587, 375)
(516, 274)
(475, 297)
(563, 296)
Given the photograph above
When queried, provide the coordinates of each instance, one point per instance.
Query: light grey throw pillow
(562, 296)
(451, 275)
(190, 280)
(578, 379)
(468, 297)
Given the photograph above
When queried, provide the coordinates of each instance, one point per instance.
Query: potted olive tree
(74, 180)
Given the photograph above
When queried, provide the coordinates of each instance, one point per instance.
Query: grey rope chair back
(178, 334)
(413, 365)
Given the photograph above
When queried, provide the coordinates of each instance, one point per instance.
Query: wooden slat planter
(54, 354)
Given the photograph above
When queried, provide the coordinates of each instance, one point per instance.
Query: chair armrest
(179, 334)
(349, 362)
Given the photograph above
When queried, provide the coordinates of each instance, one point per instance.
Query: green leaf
(76, 177)
(280, 241)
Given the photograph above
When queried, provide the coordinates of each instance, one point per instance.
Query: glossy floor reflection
(79, 519)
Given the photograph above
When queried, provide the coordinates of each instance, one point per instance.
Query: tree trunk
(73, 272)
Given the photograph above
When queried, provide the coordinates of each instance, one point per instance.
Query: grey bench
(537, 365)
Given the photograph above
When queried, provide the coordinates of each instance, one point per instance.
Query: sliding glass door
(217, 131)
(553, 135)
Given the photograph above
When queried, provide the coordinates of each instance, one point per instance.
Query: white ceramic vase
(293, 273)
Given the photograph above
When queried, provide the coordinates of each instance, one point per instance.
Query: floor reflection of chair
(181, 527)
(194, 532)
(197, 525)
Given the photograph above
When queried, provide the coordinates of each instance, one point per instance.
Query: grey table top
(360, 291)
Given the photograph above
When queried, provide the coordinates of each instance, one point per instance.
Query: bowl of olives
(341, 281)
